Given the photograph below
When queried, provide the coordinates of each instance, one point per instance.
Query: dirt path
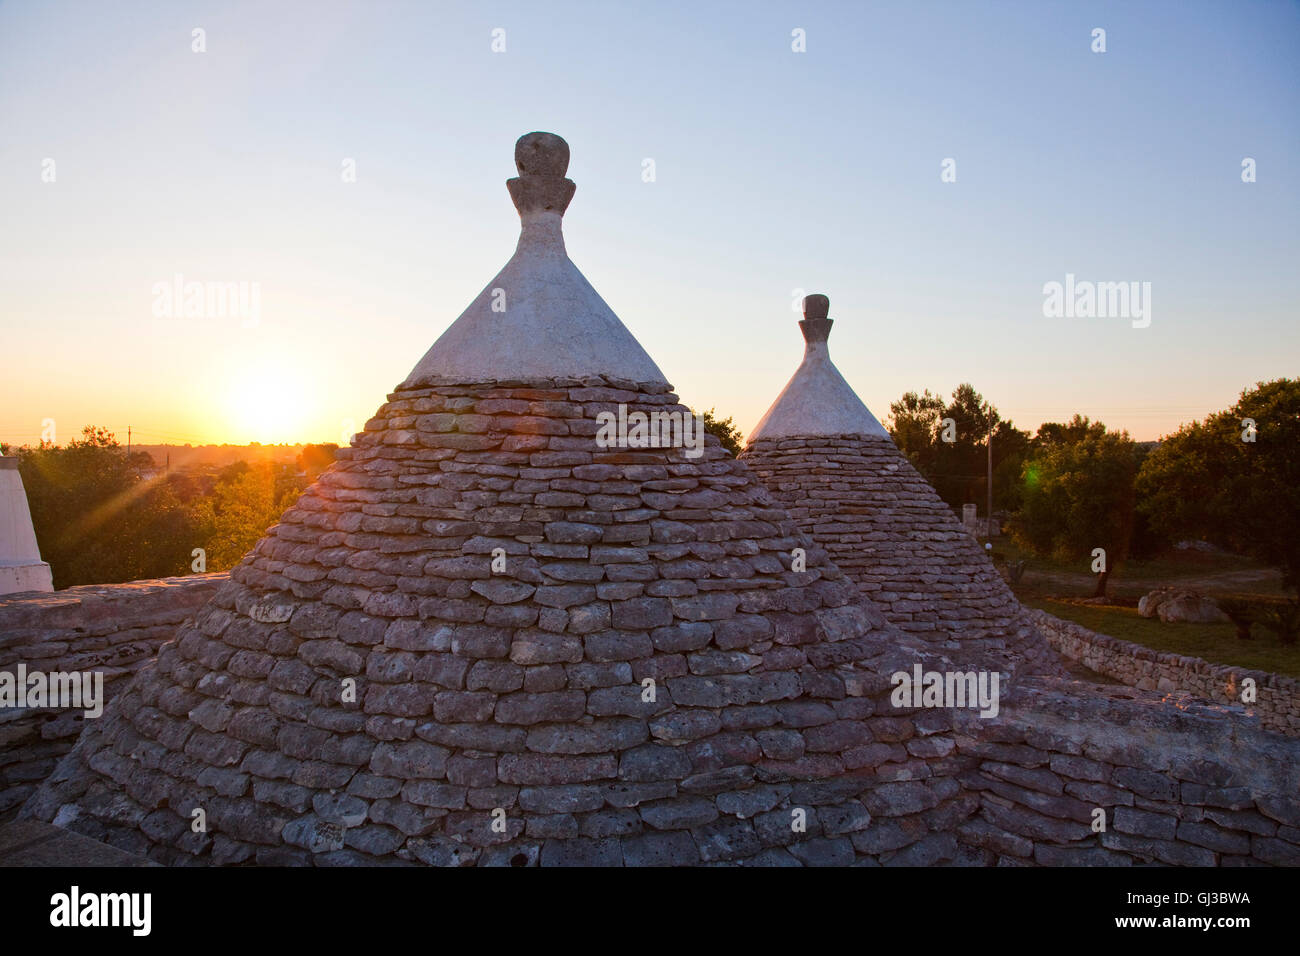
(1219, 582)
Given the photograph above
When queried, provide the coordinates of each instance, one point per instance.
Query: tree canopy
(954, 458)
(725, 431)
(1078, 494)
(313, 459)
(1234, 478)
(96, 520)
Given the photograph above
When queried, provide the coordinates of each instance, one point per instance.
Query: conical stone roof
(817, 400)
(487, 635)
(837, 472)
(539, 318)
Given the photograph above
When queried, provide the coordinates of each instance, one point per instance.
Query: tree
(96, 521)
(1078, 495)
(243, 504)
(971, 411)
(1072, 432)
(954, 457)
(916, 424)
(1234, 479)
(1010, 448)
(725, 431)
(313, 459)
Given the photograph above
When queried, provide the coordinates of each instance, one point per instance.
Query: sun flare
(269, 405)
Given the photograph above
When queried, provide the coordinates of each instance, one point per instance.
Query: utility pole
(128, 446)
(989, 527)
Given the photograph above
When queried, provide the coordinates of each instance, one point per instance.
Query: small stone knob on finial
(542, 154)
(816, 306)
(815, 325)
(542, 160)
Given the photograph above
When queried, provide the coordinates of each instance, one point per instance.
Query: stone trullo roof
(485, 635)
(817, 400)
(837, 472)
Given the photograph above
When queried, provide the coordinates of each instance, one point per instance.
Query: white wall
(21, 567)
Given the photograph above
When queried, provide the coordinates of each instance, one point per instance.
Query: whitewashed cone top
(539, 318)
(817, 400)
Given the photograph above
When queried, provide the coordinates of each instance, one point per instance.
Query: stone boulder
(1181, 605)
(1193, 545)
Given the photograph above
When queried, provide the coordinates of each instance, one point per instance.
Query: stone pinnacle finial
(542, 160)
(542, 154)
(816, 306)
(815, 325)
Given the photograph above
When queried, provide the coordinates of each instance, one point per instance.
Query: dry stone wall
(1277, 703)
(485, 637)
(1187, 785)
(110, 629)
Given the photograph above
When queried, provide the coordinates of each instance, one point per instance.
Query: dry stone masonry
(483, 637)
(839, 475)
(109, 630)
(1276, 697)
(1186, 785)
(486, 636)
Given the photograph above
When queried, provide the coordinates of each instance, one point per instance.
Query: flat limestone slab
(33, 843)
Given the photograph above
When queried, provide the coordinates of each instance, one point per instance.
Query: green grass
(1212, 642)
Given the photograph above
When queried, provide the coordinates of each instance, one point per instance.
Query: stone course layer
(517, 698)
(502, 718)
(884, 525)
(1186, 785)
(1277, 697)
(109, 629)
(484, 637)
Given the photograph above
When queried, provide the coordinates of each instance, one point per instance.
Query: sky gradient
(775, 172)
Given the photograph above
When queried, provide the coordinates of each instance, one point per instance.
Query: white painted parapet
(21, 567)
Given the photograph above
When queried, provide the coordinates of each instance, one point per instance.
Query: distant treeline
(218, 456)
(1232, 480)
(103, 517)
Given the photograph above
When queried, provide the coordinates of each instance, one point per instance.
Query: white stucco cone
(21, 567)
(539, 318)
(817, 400)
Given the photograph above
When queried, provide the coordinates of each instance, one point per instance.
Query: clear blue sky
(776, 171)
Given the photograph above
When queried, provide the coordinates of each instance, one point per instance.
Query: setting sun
(268, 403)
